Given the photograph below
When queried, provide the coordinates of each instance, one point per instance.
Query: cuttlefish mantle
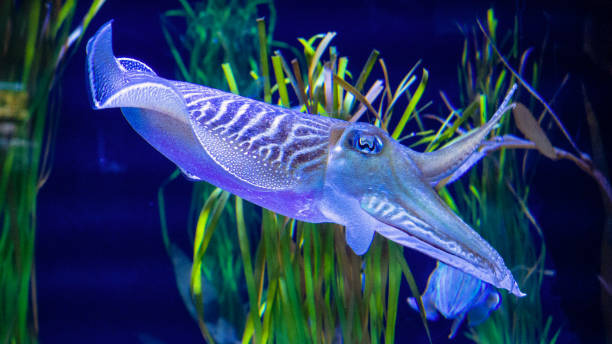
(312, 168)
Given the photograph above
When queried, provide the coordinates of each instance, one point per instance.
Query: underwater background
(102, 272)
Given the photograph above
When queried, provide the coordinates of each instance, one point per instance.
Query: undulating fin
(189, 175)
(128, 83)
(359, 238)
(455, 157)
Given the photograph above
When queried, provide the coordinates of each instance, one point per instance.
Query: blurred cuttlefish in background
(308, 167)
(455, 295)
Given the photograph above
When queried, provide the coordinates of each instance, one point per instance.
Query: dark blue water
(103, 274)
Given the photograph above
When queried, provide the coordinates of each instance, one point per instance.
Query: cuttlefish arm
(453, 160)
(308, 167)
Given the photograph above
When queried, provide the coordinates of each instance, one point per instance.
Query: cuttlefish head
(373, 184)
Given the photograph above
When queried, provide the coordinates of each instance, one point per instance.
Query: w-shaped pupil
(365, 143)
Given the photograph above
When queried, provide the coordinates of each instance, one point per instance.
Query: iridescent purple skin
(311, 168)
(455, 294)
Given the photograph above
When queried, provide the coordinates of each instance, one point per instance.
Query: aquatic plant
(37, 39)
(216, 30)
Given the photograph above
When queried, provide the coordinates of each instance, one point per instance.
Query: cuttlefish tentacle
(308, 167)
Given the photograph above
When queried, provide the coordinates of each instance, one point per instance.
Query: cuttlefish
(308, 167)
(455, 295)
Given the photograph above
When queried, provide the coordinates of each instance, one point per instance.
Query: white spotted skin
(262, 145)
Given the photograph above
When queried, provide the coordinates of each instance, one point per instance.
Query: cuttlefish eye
(365, 142)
